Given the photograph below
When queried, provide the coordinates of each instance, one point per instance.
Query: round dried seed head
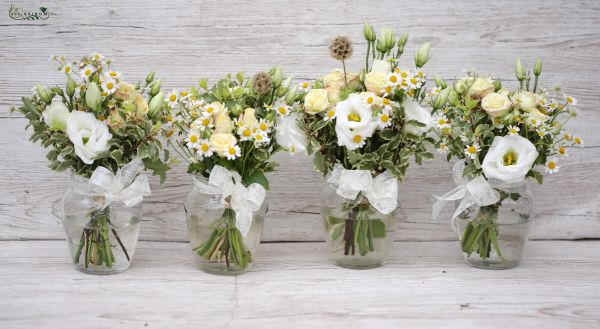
(341, 48)
(262, 83)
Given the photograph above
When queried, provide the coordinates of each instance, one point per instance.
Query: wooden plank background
(183, 40)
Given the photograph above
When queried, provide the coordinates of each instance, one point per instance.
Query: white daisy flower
(109, 86)
(113, 74)
(304, 86)
(329, 114)
(97, 57)
(551, 166)
(233, 152)
(472, 150)
(441, 121)
(204, 150)
(359, 141)
(184, 94)
(562, 150)
(67, 69)
(261, 138)
(387, 104)
(513, 130)
(193, 139)
(245, 133)
(202, 123)
(263, 126)
(570, 100)
(172, 98)
(443, 147)
(87, 71)
(393, 79)
(578, 141)
(384, 119)
(282, 109)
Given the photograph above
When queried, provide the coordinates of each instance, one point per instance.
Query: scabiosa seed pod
(341, 48)
(262, 83)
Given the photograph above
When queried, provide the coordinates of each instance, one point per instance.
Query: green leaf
(378, 228)
(353, 156)
(257, 177)
(319, 162)
(539, 177)
(158, 168)
(415, 123)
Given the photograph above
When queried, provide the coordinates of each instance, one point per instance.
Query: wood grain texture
(182, 41)
(293, 285)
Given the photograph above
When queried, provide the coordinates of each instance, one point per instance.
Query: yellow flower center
(386, 101)
(413, 81)
(231, 150)
(113, 74)
(370, 100)
(562, 150)
(170, 117)
(567, 137)
(204, 147)
(193, 138)
(393, 79)
(183, 93)
(67, 69)
(388, 89)
(569, 100)
(258, 137)
(384, 118)
(87, 72)
(205, 122)
(109, 85)
(551, 165)
(305, 85)
(330, 113)
(442, 121)
(172, 97)
(282, 110)
(210, 110)
(577, 140)
(103, 93)
(518, 118)
(472, 149)
(357, 139)
(510, 158)
(263, 126)
(246, 133)
(353, 117)
(404, 75)
(101, 117)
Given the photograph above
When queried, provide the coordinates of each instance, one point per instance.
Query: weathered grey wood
(182, 41)
(293, 285)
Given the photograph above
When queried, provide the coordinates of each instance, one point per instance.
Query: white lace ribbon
(474, 192)
(382, 190)
(243, 200)
(127, 186)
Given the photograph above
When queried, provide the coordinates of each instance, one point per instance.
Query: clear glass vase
(358, 235)
(101, 240)
(214, 236)
(494, 236)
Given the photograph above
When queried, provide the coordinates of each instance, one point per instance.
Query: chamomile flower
(568, 137)
(193, 139)
(534, 122)
(551, 166)
(384, 119)
(359, 140)
(562, 151)
(245, 133)
(472, 150)
(109, 86)
(115, 75)
(184, 94)
(304, 86)
(261, 137)
(570, 100)
(263, 126)
(393, 79)
(369, 99)
(513, 130)
(387, 104)
(172, 98)
(443, 147)
(330, 114)
(233, 152)
(204, 150)
(67, 69)
(202, 123)
(97, 57)
(87, 71)
(282, 109)
(578, 141)
(441, 121)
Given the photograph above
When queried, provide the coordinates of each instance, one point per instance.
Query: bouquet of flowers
(228, 133)
(363, 128)
(102, 129)
(500, 137)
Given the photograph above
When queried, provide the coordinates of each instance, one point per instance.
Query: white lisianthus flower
(354, 122)
(414, 111)
(289, 135)
(509, 159)
(55, 116)
(495, 104)
(89, 135)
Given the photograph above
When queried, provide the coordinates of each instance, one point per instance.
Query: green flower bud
(236, 110)
(277, 75)
(290, 98)
(422, 56)
(155, 87)
(93, 96)
(319, 84)
(285, 86)
(156, 105)
(439, 82)
(497, 85)
(369, 32)
(441, 99)
(453, 97)
(150, 77)
(203, 83)
(519, 71)
(387, 35)
(43, 93)
(71, 86)
(402, 40)
(537, 68)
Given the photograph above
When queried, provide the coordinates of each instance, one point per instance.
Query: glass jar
(358, 235)
(214, 236)
(494, 236)
(101, 240)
